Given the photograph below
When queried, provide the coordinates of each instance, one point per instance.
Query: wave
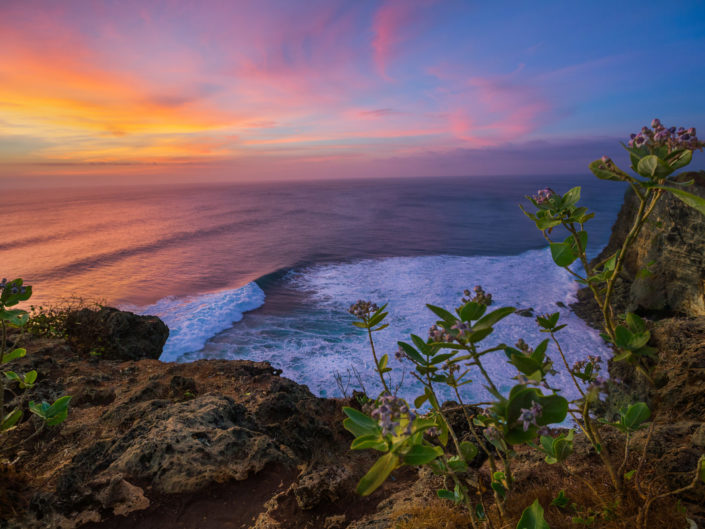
(195, 319)
(314, 339)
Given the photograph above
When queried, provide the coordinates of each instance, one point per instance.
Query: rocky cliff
(664, 272)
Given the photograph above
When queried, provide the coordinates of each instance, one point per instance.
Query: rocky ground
(232, 444)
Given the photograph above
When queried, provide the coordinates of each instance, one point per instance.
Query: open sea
(267, 271)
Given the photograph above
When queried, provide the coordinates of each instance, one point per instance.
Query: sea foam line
(193, 320)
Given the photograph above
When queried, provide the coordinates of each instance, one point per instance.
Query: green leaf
(604, 174)
(532, 517)
(493, 317)
(635, 415)
(652, 166)
(563, 253)
(445, 494)
(383, 362)
(561, 500)
(626, 355)
(412, 353)
(472, 311)
(30, 378)
(376, 318)
(442, 313)
(635, 323)
(563, 447)
(547, 223)
(468, 450)
(582, 242)
(422, 454)
(377, 474)
(623, 337)
(10, 420)
(423, 346)
(11, 375)
(679, 158)
(360, 418)
(369, 441)
(480, 334)
(554, 409)
(12, 355)
(16, 317)
(691, 200)
(525, 364)
(571, 197)
(419, 401)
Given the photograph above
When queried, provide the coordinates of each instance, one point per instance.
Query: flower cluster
(389, 411)
(438, 334)
(479, 296)
(363, 309)
(594, 361)
(524, 347)
(658, 135)
(542, 196)
(14, 289)
(529, 417)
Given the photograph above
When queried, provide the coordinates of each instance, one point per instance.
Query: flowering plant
(452, 353)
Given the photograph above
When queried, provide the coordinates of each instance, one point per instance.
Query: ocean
(267, 271)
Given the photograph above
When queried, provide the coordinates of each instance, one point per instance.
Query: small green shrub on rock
(11, 294)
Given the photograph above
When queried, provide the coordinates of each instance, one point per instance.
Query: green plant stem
(473, 351)
(623, 466)
(586, 264)
(460, 485)
(565, 362)
(642, 459)
(602, 452)
(374, 355)
(490, 455)
(642, 214)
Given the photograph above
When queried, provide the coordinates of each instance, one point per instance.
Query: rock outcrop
(116, 335)
(147, 440)
(664, 271)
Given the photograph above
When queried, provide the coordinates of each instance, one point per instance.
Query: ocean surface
(268, 271)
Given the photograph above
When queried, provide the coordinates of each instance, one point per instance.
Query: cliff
(664, 270)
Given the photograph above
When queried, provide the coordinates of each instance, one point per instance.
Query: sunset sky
(109, 91)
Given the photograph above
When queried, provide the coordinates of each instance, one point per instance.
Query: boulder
(116, 335)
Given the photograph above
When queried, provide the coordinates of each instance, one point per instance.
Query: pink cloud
(392, 25)
(491, 110)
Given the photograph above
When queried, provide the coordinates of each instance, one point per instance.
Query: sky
(176, 91)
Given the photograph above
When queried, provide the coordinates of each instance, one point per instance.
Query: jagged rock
(120, 496)
(115, 334)
(671, 246)
(321, 485)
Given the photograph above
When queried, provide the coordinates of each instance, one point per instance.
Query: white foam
(318, 340)
(193, 320)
